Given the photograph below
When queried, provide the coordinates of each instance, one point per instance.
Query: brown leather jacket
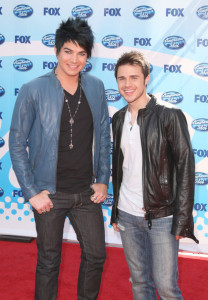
(168, 166)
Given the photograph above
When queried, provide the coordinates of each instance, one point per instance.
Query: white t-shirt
(131, 191)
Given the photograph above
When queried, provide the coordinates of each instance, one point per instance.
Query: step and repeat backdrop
(174, 37)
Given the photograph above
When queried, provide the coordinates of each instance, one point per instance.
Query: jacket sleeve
(22, 121)
(104, 151)
(179, 140)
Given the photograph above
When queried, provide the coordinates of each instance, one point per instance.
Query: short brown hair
(133, 58)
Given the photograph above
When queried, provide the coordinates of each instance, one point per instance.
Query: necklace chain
(71, 120)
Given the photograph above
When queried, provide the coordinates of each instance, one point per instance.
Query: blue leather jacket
(36, 125)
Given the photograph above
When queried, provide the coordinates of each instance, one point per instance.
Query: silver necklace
(71, 120)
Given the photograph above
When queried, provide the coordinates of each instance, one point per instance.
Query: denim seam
(82, 250)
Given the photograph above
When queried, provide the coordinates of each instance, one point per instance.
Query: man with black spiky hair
(63, 118)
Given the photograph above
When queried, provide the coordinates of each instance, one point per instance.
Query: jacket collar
(57, 82)
(53, 77)
(150, 105)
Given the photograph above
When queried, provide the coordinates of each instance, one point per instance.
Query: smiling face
(132, 85)
(71, 59)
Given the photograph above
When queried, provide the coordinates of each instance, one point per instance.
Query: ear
(55, 50)
(147, 80)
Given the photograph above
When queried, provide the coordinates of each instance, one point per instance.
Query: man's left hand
(100, 192)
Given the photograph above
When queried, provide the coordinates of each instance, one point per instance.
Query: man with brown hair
(153, 182)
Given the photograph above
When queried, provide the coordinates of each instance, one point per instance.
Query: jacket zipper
(147, 214)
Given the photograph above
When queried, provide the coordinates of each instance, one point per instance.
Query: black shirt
(74, 169)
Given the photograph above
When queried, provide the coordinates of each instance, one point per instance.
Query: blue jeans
(152, 257)
(87, 220)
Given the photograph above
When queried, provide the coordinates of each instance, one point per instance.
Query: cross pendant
(71, 121)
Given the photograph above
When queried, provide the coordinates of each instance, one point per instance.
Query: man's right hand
(115, 227)
(41, 202)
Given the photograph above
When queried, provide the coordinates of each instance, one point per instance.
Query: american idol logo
(202, 12)
(112, 95)
(151, 67)
(23, 11)
(2, 39)
(2, 91)
(143, 12)
(172, 97)
(112, 41)
(108, 201)
(49, 40)
(200, 124)
(201, 69)
(87, 67)
(174, 42)
(2, 142)
(201, 178)
(82, 11)
(1, 192)
(22, 64)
